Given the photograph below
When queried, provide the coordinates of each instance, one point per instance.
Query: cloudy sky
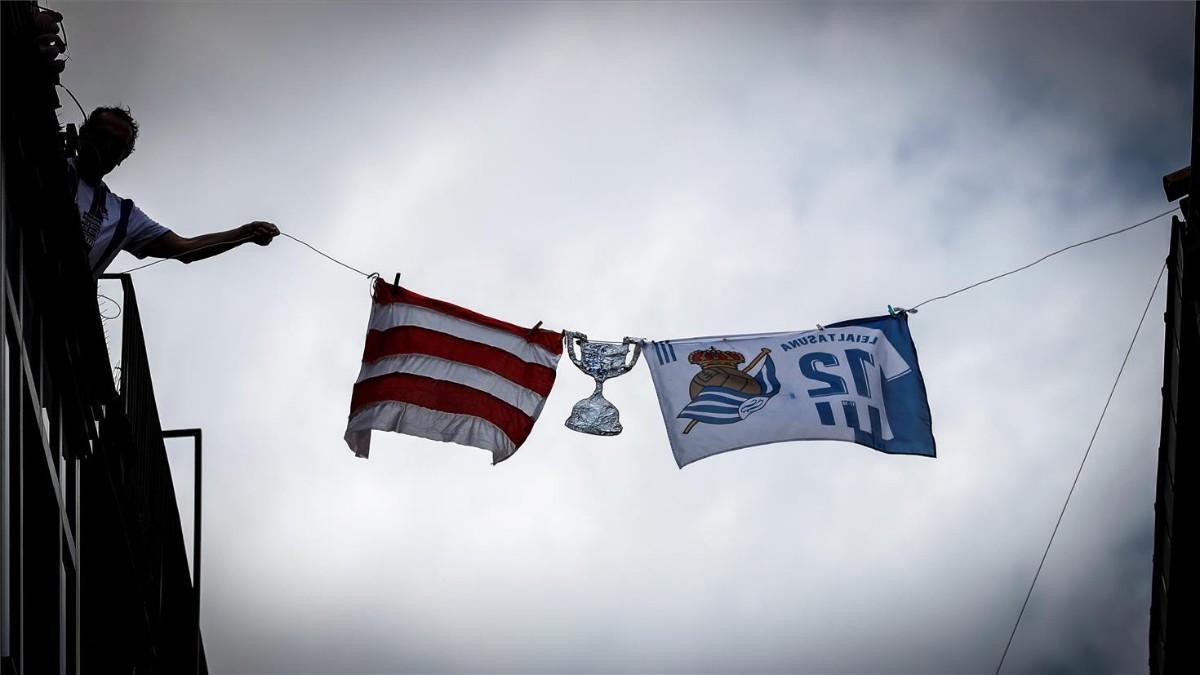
(662, 170)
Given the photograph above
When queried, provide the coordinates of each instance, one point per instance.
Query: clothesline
(914, 308)
(1047, 256)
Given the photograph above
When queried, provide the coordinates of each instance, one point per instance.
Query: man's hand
(191, 249)
(259, 231)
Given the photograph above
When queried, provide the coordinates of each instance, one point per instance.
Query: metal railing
(138, 464)
(197, 521)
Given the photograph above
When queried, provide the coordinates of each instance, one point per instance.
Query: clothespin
(820, 327)
(396, 282)
(535, 328)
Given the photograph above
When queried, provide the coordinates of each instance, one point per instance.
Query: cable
(114, 302)
(1085, 458)
(1048, 255)
(77, 103)
(354, 269)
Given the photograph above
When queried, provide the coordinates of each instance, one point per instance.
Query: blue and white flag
(855, 381)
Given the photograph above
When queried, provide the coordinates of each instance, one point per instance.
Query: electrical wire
(1087, 452)
(77, 103)
(1045, 257)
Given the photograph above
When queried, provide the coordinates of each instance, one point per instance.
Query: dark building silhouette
(1173, 647)
(93, 571)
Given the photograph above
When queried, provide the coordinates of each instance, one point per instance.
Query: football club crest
(723, 393)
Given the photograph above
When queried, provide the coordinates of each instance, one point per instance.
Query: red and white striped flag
(438, 371)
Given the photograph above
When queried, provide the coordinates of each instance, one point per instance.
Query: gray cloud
(760, 167)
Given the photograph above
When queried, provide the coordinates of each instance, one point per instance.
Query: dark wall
(93, 572)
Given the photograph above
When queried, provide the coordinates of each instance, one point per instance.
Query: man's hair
(120, 111)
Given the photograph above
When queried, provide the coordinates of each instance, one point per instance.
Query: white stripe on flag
(432, 367)
(391, 315)
(435, 425)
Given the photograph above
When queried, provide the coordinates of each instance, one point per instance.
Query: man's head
(106, 139)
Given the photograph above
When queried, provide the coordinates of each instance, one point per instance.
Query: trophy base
(596, 416)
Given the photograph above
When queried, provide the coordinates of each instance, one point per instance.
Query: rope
(245, 239)
(1085, 457)
(912, 309)
(314, 248)
(1048, 255)
(101, 296)
(180, 255)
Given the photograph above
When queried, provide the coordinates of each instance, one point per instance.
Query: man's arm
(191, 249)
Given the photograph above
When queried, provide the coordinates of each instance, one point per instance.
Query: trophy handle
(637, 352)
(569, 338)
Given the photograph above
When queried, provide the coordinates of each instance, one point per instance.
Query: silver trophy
(602, 360)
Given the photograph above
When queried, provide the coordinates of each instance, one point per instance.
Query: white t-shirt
(99, 223)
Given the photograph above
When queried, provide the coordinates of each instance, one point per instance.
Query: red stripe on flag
(417, 340)
(386, 293)
(445, 396)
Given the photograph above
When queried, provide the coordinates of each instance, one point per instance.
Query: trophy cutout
(602, 361)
